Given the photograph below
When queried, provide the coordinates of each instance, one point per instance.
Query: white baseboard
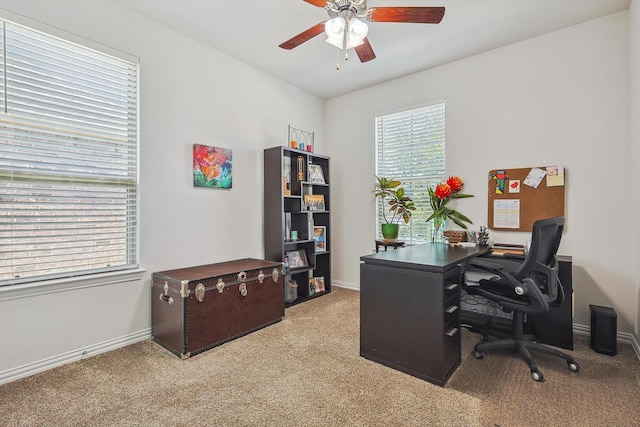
(346, 285)
(72, 356)
(622, 337)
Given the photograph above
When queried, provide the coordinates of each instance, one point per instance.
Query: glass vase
(437, 232)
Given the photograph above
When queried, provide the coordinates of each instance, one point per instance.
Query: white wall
(558, 99)
(189, 94)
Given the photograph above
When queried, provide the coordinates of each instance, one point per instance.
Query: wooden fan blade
(319, 3)
(420, 15)
(304, 36)
(365, 52)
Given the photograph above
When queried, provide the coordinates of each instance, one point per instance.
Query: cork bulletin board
(514, 201)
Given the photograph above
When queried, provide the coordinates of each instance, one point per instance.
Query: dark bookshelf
(285, 211)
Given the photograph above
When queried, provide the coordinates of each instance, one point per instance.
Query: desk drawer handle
(452, 286)
(451, 309)
(452, 332)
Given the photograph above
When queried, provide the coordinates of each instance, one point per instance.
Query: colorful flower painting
(212, 167)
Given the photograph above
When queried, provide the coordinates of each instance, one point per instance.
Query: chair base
(523, 344)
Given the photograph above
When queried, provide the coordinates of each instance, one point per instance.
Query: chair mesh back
(540, 264)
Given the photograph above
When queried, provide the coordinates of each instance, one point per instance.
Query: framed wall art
(212, 167)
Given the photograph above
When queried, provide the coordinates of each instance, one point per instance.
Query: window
(410, 147)
(68, 158)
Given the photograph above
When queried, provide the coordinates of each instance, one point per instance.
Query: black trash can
(604, 326)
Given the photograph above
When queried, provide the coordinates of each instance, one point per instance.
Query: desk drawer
(451, 313)
(451, 349)
(451, 289)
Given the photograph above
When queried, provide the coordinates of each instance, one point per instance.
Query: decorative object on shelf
(319, 233)
(286, 175)
(212, 167)
(297, 259)
(312, 286)
(294, 235)
(399, 206)
(287, 225)
(316, 175)
(439, 198)
(300, 161)
(314, 202)
(483, 236)
(291, 291)
(319, 283)
(301, 139)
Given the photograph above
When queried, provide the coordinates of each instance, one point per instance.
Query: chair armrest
(514, 257)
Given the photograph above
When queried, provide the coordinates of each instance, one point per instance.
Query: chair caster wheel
(537, 375)
(478, 354)
(573, 365)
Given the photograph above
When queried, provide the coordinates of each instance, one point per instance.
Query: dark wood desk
(410, 309)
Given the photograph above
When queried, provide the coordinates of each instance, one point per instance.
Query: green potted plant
(396, 205)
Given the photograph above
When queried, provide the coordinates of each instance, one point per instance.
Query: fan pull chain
(337, 59)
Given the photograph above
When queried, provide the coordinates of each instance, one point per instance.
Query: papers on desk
(466, 244)
(508, 248)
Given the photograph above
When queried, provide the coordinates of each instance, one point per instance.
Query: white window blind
(410, 147)
(68, 158)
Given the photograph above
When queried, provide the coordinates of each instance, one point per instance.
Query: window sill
(26, 290)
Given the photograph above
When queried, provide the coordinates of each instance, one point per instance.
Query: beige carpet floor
(306, 371)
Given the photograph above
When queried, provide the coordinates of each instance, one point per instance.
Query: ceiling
(251, 30)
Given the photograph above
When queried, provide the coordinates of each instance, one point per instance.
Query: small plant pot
(390, 231)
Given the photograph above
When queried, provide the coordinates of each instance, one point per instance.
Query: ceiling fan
(346, 30)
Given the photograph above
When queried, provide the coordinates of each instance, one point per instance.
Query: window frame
(132, 205)
(415, 181)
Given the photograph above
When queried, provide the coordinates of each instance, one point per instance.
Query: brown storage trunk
(197, 308)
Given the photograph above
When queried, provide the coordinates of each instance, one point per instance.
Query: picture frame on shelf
(316, 175)
(320, 237)
(297, 259)
(319, 282)
(314, 202)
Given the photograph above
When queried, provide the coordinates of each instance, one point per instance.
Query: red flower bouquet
(439, 198)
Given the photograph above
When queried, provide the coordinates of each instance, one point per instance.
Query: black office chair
(522, 285)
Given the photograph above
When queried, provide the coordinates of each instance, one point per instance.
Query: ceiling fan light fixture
(334, 28)
(358, 30)
(355, 31)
